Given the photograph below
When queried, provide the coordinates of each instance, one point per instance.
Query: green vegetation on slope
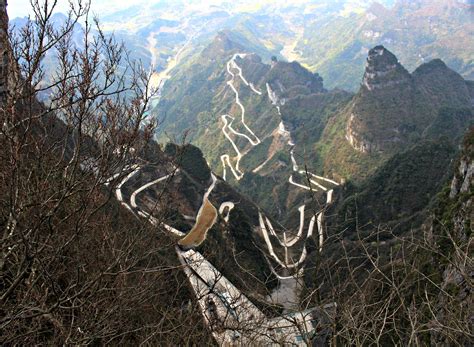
(399, 190)
(190, 158)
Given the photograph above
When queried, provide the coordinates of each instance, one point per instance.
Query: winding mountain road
(229, 205)
(315, 182)
(133, 197)
(321, 178)
(254, 140)
(300, 229)
(286, 264)
(118, 189)
(297, 184)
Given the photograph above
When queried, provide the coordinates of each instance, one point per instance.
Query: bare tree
(76, 267)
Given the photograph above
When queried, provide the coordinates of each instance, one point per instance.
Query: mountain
(200, 102)
(290, 117)
(304, 142)
(412, 101)
(281, 212)
(368, 165)
(418, 31)
(392, 110)
(331, 38)
(92, 218)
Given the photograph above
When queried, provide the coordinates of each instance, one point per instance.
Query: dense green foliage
(451, 122)
(190, 158)
(398, 191)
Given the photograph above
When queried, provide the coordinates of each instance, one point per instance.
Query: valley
(245, 113)
(228, 312)
(237, 174)
(289, 271)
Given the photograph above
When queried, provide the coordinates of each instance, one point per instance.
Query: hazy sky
(21, 8)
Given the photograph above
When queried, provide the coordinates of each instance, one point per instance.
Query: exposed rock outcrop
(383, 70)
(451, 227)
(291, 79)
(462, 182)
(358, 142)
(222, 45)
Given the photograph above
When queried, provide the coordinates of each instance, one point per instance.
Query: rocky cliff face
(393, 107)
(462, 181)
(386, 87)
(383, 70)
(451, 227)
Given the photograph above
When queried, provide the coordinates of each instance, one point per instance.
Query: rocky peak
(222, 45)
(379, 57)
(435, 76)
(436, 70)
(284, 77)
(394, 107)
(433, 66)
(383, 69)
(381, 108)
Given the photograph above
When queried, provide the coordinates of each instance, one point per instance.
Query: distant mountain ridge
(418, 31)
(331, 38)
